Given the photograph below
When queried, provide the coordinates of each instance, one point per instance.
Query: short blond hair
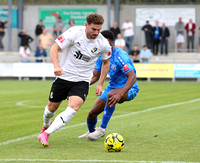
(95, 19)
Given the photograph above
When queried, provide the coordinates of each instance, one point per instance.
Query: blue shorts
(132, 93)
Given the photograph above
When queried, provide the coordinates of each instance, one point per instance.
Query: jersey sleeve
(66, 38)
(98, 64)
(106, 52)
(123, 64)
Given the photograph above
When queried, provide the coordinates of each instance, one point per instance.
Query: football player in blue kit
(122, 87)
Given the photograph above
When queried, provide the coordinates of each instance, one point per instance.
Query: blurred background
(24, 15)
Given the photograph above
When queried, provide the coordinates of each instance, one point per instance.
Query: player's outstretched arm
(120, 94)
(54, 56)
(104, 72)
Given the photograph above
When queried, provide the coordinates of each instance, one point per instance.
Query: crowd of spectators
(43, 41)
(156, 38)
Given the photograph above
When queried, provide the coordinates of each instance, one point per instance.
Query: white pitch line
(23, 103)
(123, 161)
(120, 116)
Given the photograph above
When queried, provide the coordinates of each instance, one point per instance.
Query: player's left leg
(100, 132)
(108, 111)
(94, 112)
(92, 116)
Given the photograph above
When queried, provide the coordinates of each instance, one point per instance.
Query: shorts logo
(85, 96)
(51, 95)
(109, 53)
(125, 67)
(61, 39)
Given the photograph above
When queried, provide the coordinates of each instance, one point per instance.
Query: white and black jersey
(80, 53)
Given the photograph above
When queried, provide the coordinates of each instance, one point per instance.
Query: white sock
(61, 120)
(47, 117)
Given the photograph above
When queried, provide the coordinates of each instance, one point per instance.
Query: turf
(160, 124)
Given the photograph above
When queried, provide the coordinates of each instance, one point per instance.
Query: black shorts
(61, 89)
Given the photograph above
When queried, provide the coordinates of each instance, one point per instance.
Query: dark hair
(95, 19)
(108, 34)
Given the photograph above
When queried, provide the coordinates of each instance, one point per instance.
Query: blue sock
(108, 111)
(91, 125)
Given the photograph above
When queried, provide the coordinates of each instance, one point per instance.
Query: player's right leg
(48, 114)
(92, 116)
(57, 94)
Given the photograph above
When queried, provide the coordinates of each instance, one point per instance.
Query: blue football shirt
(120, 64)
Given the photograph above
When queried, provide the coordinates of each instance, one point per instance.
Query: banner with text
(49, 15)
(155, 70)
(168, 15)
(187, 71)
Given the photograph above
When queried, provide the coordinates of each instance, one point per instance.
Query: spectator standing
(25, 38)
(147, 30)
(39, 27)
(190, 30)
(115, 30)
(2, 33)
(165, 33)
(45, 40)
(38, 30)
(135, 54)
(156, 31)
(58, 27)
(145, 54)
(120, 42)
(127, 28)
(70, 24)
(180, 28)
(40, 54)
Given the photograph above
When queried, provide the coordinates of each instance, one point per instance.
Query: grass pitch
(160, 124)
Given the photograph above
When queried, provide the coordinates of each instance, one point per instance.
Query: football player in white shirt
(81, 47)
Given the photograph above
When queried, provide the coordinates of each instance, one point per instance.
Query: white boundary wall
(26, 70)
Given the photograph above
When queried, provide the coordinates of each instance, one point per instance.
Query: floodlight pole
(20, 17)
(20, 14)
(117, 10)
(9, 25)
(109, 11)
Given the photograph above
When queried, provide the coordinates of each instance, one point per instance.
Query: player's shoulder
(120, 52)
(120, 55)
